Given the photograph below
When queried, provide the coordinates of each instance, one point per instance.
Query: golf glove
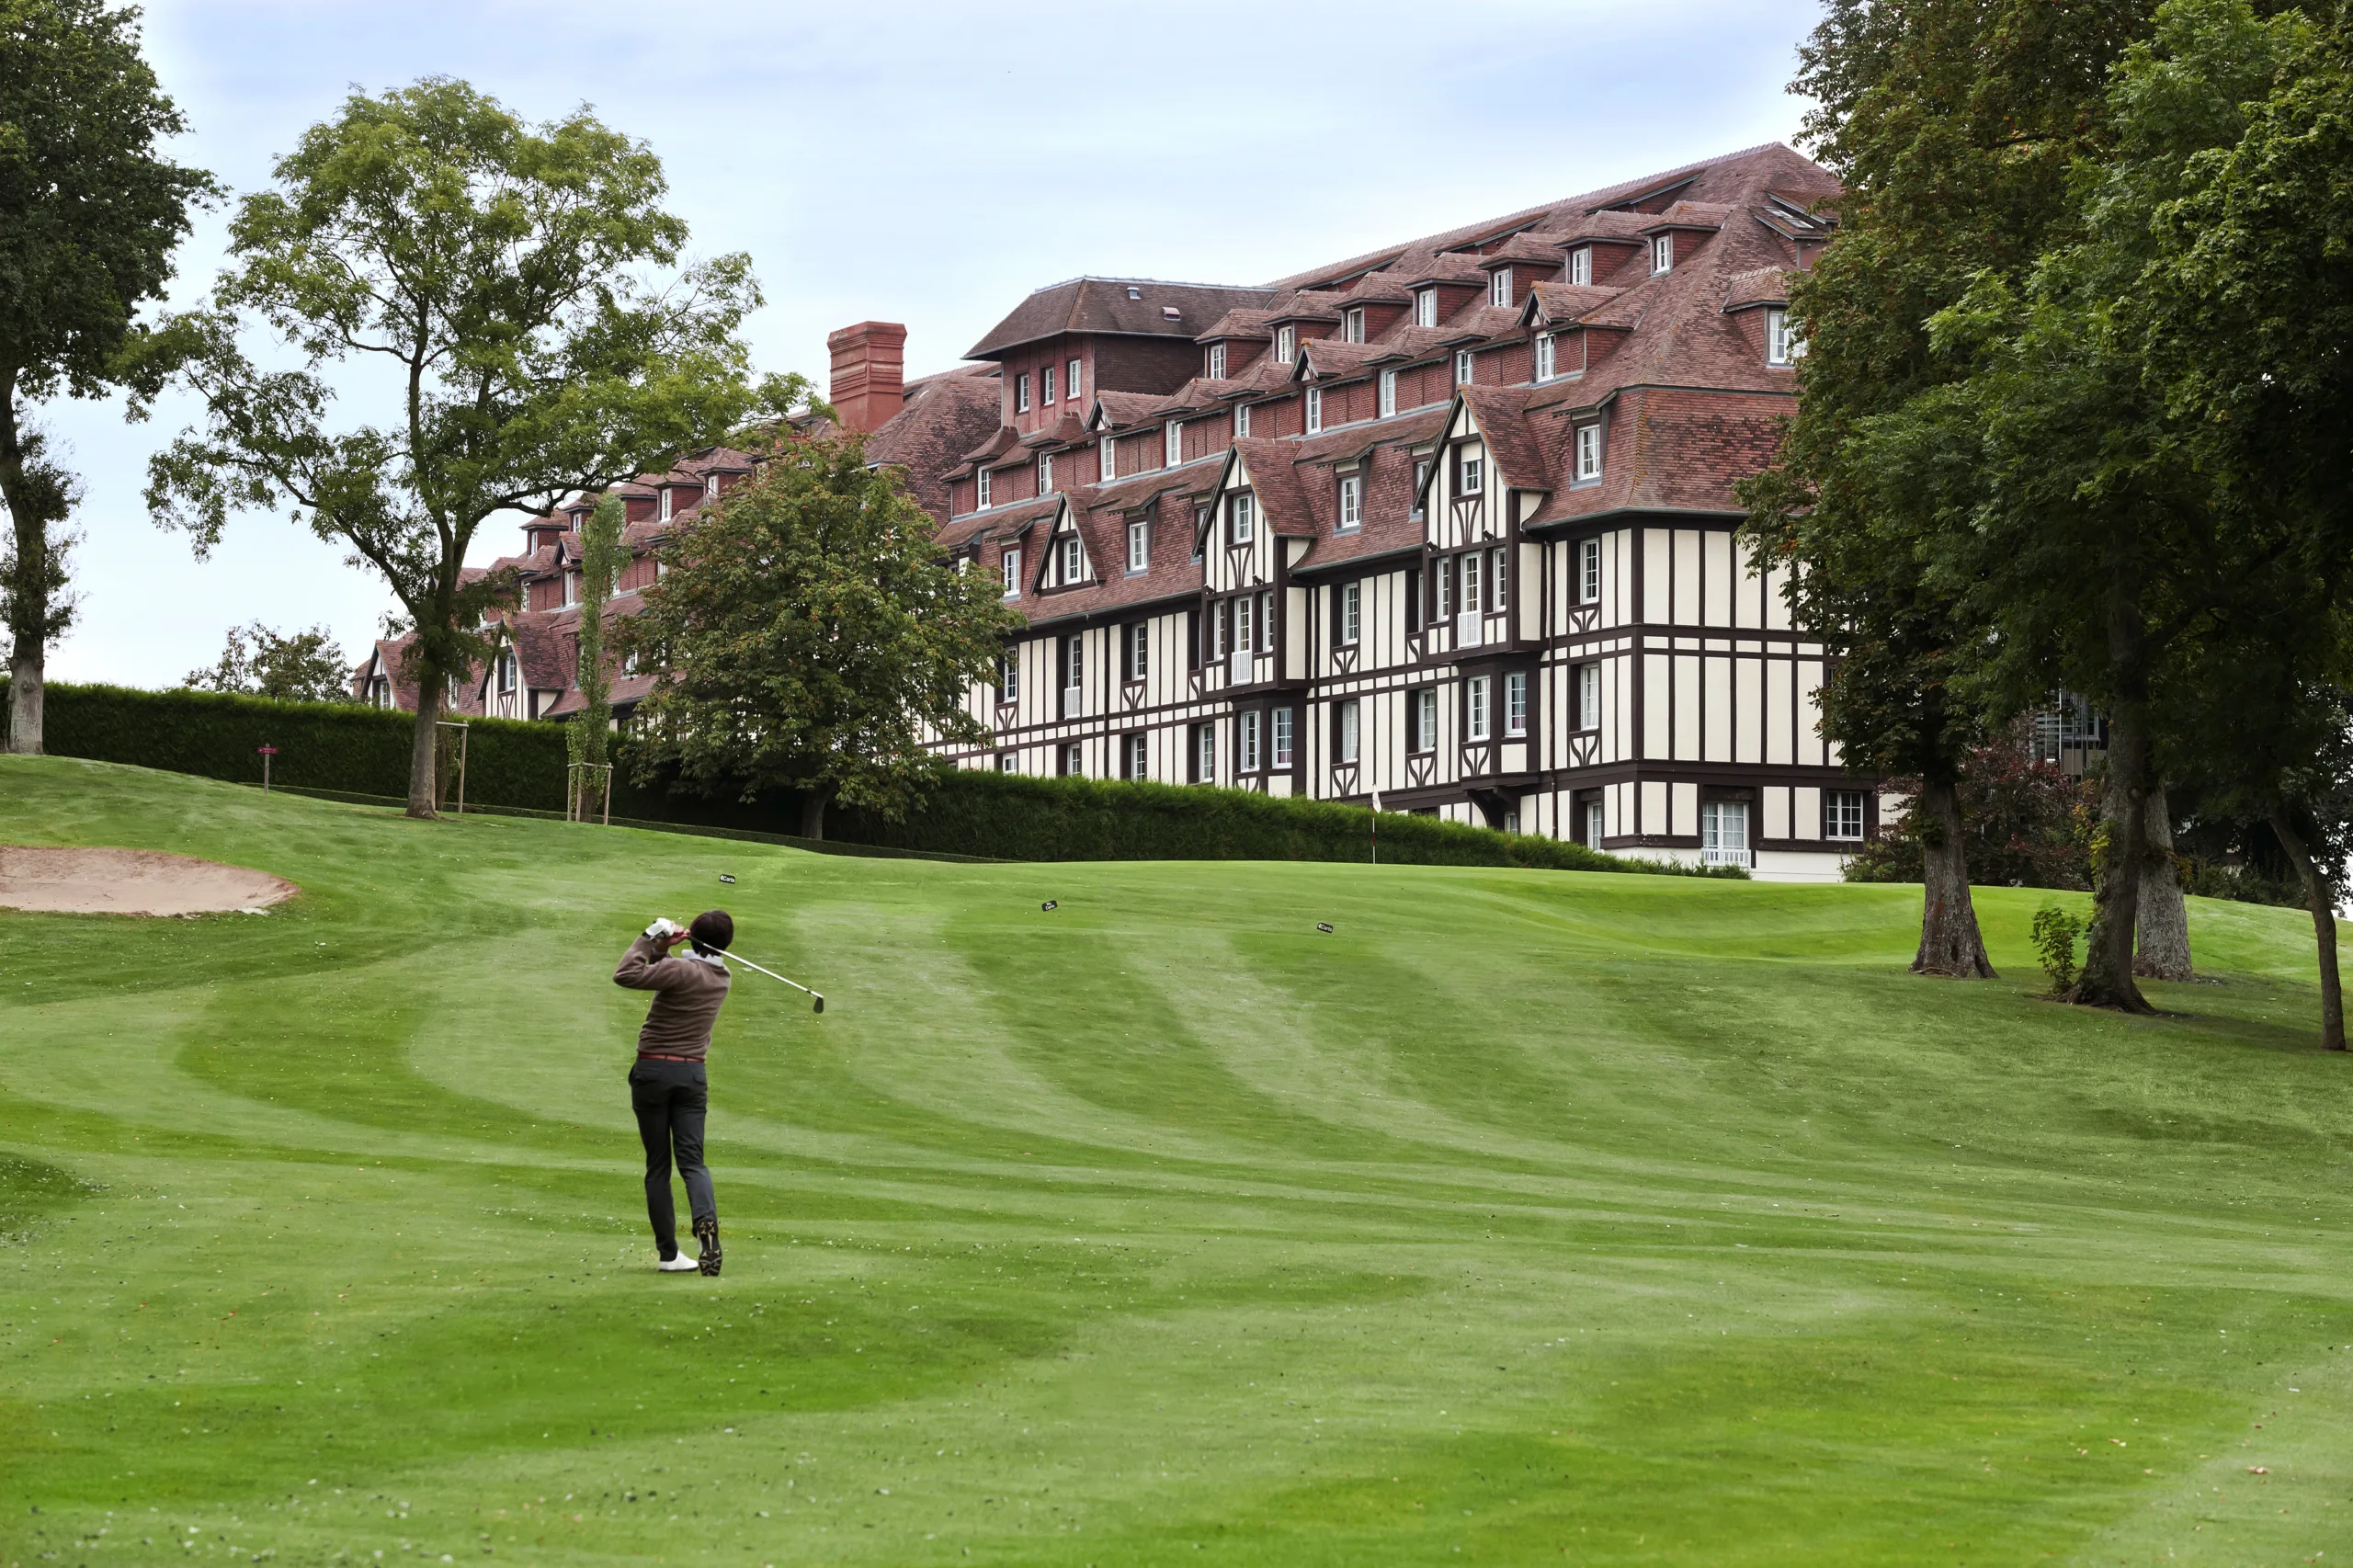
(666, 926)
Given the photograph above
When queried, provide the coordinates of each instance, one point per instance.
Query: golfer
(666, 1085)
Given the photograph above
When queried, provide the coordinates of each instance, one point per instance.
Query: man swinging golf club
(666, 1084)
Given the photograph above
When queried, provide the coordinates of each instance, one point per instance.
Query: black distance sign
(1051, 905)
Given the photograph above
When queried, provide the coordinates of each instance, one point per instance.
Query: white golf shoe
(681, 1264)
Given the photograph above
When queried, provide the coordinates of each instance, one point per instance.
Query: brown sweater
(686, 994)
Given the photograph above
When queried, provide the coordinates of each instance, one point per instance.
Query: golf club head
(820, 1006)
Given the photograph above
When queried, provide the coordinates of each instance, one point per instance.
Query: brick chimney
(869, 373)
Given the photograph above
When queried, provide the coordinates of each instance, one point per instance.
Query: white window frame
(1205, 752)
(1071, 391)
(1242, 517)
(1107, 459)
(1424, 701)
(666, 503)
(1246, 758)
(1138, 659)
(1388, 404)
(1425, 307)
(1136, 751)
(1515, 703)
(1499, 288)
(1173, 447)
(1045, 473)
(1244, 632)
(1588, 452)
(1464, 364)
(1716, 846)
(1074, 561)
(1581, 266)
(1139, 545)
(1445, 587)
(1217, 362)
(1661, 252)
(1783, 347)
(1241, 421)
(1835, 814)
(1474, 708)
(1005, 762)
(1590, 571)
(1351, 737)
(1351, 502)
(1075, 662)
(1279, 746)
(1352, 324)
(1012, 566)
(1021, 393)
(1545, 356)
(1474, 595)
(1286, 344)
(1008, 676)
(1046, 386)
(1314, 411)
(981, 488)
(1588, 694)
(1474, 474)
(1266, 623)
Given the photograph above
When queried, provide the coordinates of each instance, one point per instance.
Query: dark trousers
(671, 1098)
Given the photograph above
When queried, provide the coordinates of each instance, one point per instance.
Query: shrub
(2021, 821)
(2055, 932)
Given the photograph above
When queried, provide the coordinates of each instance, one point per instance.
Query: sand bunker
(130, 881)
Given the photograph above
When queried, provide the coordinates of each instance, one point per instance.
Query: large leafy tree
(293, 667)
(1953, 125)
(514, 284)
(811, 638)
(90, 210)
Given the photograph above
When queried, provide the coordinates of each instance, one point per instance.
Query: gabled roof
(1560, 305)
(1118, 306)
(1501, 413)
(1275, 478)
(1118, 411)
(1758, 286)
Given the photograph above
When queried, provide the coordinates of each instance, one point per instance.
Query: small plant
(2055, 931)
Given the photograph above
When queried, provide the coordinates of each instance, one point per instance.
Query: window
(1217, 362)
(1474, 474)
(506, 673)
(1200, 533)
(1351, 617)
(1842, 815)
(1723, 833)
(1012, 573)
(1425, 715)
(1139, 545)
(1107, 464)
(1075, 661)
(1589, 697)
(1782, 344)
(1421, 478)
(981, 490)
(1280, 745)
(1314, 409)
(1590, 571)
(1021, 393)
(1426, 307)
(1045, 473)
(1070, 381)
(1246, 755)
(1515, 702)
(1285, 345)
(1046, 385)
(1069, 759)
(669, 499)
(1544, 355)
(1205, 754)
(1388, 393)
(1008, 676)
(1588, 452)
(1241, 421)
(1172, 450)
(1218, 643)
(1074, 561)
(1496, 579)
(571, 589)
(1662, 254)
(1463, 363)
(1005, 762)
(1581, 266)
(1134, 757)
(709, 486)
(1500, 286)
(1244, 510)
(1352, 502)
(1473, 581)
(1266, 623)
(1352, 324)
(1445, 587)
(1345, 744)
(1137, 639)
(1593, 824)
(1243, 641)
(1475, 707)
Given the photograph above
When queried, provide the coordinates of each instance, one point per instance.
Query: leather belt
(664, 1056)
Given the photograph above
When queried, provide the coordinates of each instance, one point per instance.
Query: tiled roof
(1565, 302)
(1103, 305)
(1502, 414)
(1122, 410)
(1243, 322)
(1331, 359)
(1758, 285)
(1274, 474)
(942, 417)
(1692, 215)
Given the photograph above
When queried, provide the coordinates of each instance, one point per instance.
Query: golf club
(773, 975)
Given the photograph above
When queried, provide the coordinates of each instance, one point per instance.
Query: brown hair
(713, 931)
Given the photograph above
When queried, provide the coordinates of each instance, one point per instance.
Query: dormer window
(1045, 473)
(1070, 381)
(1388, 393)
(1545, 356)
(1499, 288)
(1426, 307)
(1462, 367)
(666, 503)
(1241, 421)
(1173, 452)
(1021, 393)
(1245, 518)
(1074, 561)
(1217, 362)
(1588, 452)
(1474, 475)
(1139, 545)
(981, 490)
(1351, 502)
(1109, 462)
(1013, 574)
(1046, 385)
(1661, 255)
(1352, 324)
(1782, 344)
(1285, 345)
(1581, 266)
(1314, 409)
(711, 486)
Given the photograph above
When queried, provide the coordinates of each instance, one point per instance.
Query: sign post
(267, 752)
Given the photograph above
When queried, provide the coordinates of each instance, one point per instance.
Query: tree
(301, 666)
(811, 637)
(587, 739)
(502, 275)
(90, 211)
(1953, 125)
(2022, 823)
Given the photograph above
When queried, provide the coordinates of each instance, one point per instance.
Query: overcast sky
(928, 163)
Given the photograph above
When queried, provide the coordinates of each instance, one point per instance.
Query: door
(1723, 833)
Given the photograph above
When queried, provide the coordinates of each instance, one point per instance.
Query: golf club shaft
(769, 973)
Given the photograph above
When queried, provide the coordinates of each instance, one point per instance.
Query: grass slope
(1527, 1216)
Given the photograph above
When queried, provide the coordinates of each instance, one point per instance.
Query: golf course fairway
(1524, 1216)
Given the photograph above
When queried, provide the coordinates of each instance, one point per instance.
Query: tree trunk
(2163, 919)
(812, 810)
(421, 744)
(2321, 897)
(1951, 943)
(2107, 979)
(29, 594)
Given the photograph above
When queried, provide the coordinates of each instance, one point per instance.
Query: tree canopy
(292, 666)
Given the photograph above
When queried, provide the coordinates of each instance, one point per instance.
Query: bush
(2055, 932)
(365, 751)
(2026, 824)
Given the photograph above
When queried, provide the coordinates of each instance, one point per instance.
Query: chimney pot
(869, 373)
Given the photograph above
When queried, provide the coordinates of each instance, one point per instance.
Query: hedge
(365, 751)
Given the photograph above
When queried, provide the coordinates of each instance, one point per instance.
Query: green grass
(1528, 1216)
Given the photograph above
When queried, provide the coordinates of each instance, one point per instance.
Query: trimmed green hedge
(365, 751)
